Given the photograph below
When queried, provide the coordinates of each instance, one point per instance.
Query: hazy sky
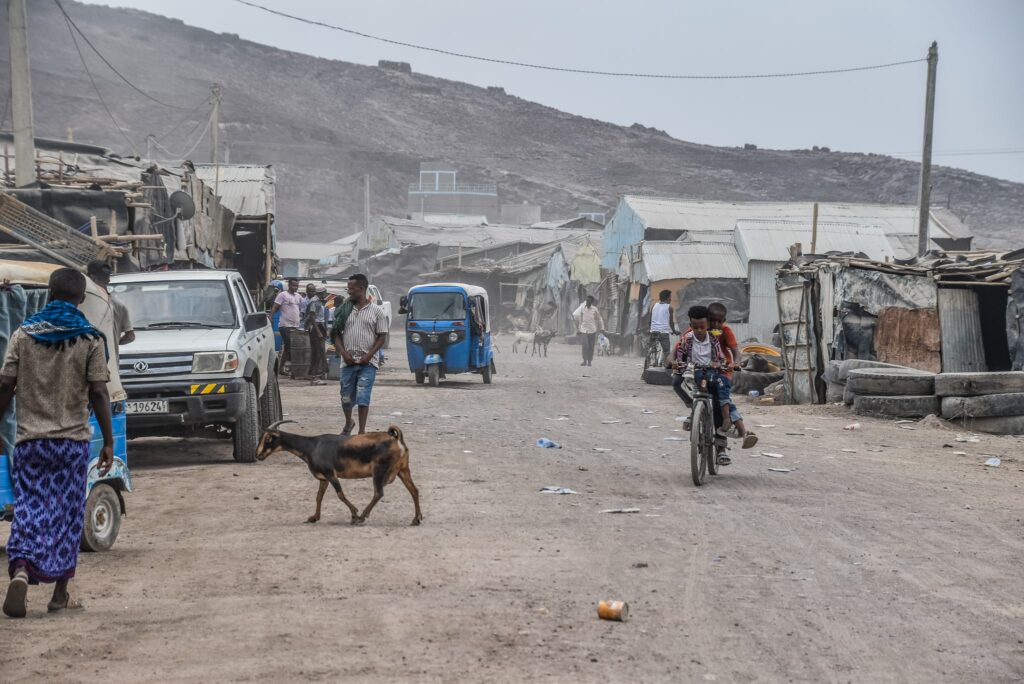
(980, 95)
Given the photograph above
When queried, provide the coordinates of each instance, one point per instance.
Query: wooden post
(925, 191)
(814, 230)
(94, 228)
(7, 163)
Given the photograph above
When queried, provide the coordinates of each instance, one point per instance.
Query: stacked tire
(986, 402)
(882, 389)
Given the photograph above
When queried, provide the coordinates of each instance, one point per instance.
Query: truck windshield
(437, 306)
(177, 303)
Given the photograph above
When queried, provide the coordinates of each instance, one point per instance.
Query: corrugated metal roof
(668, 213)
(310, 251)
(415, 233)
(668, 260)
(245, 189)
(770, 240)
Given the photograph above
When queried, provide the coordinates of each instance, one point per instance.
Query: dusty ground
(899, 561)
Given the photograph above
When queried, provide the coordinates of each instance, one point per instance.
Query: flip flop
(16, 603)
(68, 604)
(750, 440)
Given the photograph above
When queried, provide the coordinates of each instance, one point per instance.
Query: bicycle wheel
(698, 439)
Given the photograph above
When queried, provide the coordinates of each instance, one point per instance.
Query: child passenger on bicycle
(731, 349)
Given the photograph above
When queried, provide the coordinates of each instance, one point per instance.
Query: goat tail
(396, 432)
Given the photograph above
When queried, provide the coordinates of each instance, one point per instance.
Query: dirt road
(881, 556)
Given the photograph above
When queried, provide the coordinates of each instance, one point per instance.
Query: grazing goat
(604, 346)
(541, 338)
(380, 455)
(527, 338)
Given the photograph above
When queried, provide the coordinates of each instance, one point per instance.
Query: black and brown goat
(330, 458)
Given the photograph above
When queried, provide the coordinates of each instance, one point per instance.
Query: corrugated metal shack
(947, 312)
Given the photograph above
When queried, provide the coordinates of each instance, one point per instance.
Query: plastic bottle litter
(546, 443)
(852, 426)
(613, 610)
(993, 462)
(551, 489)
(753, 393)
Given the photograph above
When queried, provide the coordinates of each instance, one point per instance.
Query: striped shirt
(361, 330)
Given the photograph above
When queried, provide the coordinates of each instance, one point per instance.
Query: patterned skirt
(49, 508)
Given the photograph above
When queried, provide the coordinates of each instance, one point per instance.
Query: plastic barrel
(6, 486)
(298, 345)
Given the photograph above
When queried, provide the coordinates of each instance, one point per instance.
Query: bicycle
(703, 441)
(655, 355)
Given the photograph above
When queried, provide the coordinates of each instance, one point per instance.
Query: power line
(96, 89)
(88, 42)
(186, 118)
(571, 70)
(185, 156)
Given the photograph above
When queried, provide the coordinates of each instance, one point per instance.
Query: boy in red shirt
(731, 348)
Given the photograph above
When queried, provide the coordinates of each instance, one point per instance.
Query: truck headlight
(453, 337)
(415, 337)
(214, 362)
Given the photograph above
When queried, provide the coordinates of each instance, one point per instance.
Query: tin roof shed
(245, 189)
(654, 261)
(770, 240)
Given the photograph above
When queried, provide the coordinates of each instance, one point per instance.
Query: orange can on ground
(613, 610)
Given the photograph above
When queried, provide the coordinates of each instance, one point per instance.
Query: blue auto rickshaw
(104, 506)
(448, 331)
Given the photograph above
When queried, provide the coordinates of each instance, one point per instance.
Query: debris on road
(764, 425)
(558, 418)
(675, 439)
(640, 564)
(613, 610)
(647, 412)
(601, 450)
(852, 426)
(849, 451)
(771, 454)
(610, 421)
(973, 439)
(621, 510)
(781, 470)
(551, 489)
(993, 462)
(546, 443)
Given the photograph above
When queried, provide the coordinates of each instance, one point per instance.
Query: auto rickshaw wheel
(434, 375)
(488, 371)
(102, 518)
(420, 377)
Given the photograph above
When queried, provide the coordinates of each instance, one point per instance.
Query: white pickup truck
(203, 360)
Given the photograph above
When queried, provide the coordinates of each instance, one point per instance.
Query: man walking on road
(663, 323)
(361, 337)
(57, 363)
(589, 323)
(316, 327)
(289, 304)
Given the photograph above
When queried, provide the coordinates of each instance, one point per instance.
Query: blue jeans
(723, 390)
(357, 385)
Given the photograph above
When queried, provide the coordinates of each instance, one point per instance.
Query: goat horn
(273, 426)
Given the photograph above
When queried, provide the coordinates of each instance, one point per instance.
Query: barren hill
(325, 123)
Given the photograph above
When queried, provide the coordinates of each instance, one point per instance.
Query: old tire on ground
(988, 406)
(420, 377)
(434, 375)
(854, 364)
(1005, 425)
(834, 393)
(975, 384)
(890, 382)
(246, 432)
(896, 407)
(102, 518)
(848, 395)
(657, 376)
(743, 382)
(270, 402)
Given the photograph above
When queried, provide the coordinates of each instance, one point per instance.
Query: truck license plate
(146, 406)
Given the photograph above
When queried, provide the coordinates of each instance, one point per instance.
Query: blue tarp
(16, 304)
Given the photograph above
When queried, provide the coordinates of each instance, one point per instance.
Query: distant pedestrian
(316, 327)
(289, 305)
(663, 323)
(56, 362)
(99, 273)
(359, 339)
(589, 323)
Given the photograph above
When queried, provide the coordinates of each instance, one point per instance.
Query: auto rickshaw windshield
(437, 306)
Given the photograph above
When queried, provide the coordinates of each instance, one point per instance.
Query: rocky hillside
(324, 124)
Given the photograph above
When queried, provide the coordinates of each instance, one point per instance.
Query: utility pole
(366, 202)
(21, 96)
(215, 125)
(150, 146)
(925, 193)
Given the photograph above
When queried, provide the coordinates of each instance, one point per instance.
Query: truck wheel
(420, 377)
(434, 375)
(102, 518)
(270, 402)
(890, 382)
(246, 433)
(488, 369)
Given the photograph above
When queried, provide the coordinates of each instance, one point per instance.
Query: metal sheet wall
(959, 322)
(764, 310)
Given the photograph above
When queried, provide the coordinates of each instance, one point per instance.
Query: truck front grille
(143, 367)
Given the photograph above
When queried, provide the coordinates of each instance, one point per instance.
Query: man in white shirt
(589, 323)
(662, 321)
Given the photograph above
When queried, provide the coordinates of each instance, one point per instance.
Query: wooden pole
(21, 96)
(925, 191)
(814, 230)
(94, 227)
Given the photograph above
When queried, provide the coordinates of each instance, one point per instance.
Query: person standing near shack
(316, 327)
(57, 363)
(589, 323)
(362, 334)
(289, 304)
(99, 273)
